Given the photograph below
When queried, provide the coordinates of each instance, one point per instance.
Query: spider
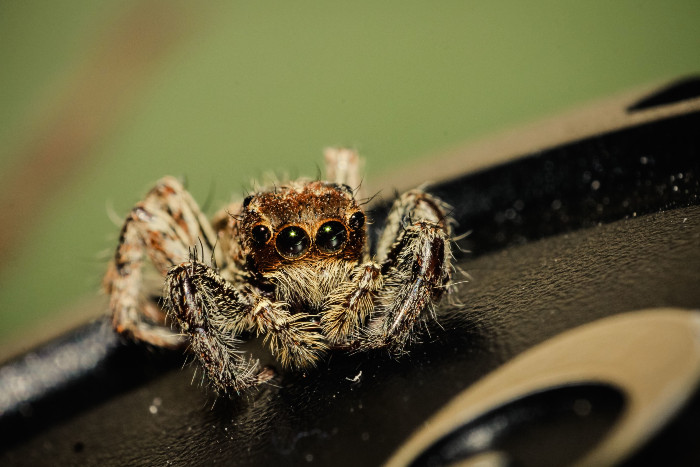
(290, 263)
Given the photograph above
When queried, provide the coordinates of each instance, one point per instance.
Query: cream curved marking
(653, 356)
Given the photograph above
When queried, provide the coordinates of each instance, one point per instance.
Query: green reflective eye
(292, 242)
(331, 237)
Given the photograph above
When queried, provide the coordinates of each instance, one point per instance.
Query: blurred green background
(100, 99)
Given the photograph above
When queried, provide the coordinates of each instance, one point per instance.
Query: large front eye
(292, 242)
(331, 237)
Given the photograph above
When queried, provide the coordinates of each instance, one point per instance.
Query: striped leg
(162, 228)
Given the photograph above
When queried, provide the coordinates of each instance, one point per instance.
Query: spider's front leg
(348, 308)
(414, 251)
(212, 313)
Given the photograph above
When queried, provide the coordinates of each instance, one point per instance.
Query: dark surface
(560, 238)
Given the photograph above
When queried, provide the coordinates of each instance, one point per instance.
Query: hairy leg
(412, 206)
(292, 338)
(163, 228)
(349, 307)
(211, 313)
(344, 166)
(226, 224)
(414, 250)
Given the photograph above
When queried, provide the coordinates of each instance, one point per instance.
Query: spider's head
(302, 222)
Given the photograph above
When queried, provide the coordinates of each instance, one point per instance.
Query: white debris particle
(153, 408)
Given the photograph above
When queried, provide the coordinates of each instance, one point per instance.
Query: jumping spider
(290, 263)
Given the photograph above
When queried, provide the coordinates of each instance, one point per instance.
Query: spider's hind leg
(414, 251)
(344, 166)
(162, 228)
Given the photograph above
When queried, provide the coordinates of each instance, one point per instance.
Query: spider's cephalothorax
(289, 264)
(304, 238)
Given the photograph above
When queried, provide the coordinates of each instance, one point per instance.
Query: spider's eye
(357, 220)
(331, 237)
(261, 234)
(292, 242)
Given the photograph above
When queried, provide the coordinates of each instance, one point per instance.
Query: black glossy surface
(70, 374)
